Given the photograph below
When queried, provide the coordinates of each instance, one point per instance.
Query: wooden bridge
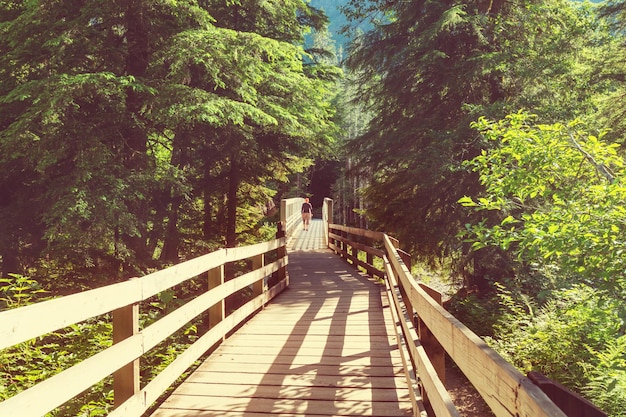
(317, 337)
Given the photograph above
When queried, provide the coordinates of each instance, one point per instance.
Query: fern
(607, 380)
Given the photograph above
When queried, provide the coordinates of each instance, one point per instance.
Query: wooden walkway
(312, 239)
(324, 347)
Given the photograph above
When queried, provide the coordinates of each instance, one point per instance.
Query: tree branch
(603, 169)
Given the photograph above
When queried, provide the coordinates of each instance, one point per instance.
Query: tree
(426, 71)
(292, 113)
(126, 124)
(610, 68)
(561, 194)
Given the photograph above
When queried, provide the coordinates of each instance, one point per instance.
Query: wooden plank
(308, 380)
(331, 393)
(321, 342)
(328, 344)
(300, 369)
(362, 317)
(300, 360)
(321, 348)
(346, 351)
(285, 405)
(163, 412)
(330, 329)
(25, 323)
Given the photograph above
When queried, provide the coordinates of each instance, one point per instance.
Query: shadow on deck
(324, 347)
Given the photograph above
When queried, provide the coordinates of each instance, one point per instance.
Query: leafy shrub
(478, 313)
(561, 338)
(29, 363)
(18, 291)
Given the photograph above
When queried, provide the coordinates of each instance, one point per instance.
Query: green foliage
(131, 132)
(560, 195)
(607, 379)
(573, 339)
(478, 314)
(530, 54)
(610, 69)
(18, 291)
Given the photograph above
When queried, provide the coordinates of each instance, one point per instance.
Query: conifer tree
(123, 124)
(430, 68)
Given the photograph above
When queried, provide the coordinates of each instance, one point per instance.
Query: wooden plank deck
(312, 239)
(322, 348)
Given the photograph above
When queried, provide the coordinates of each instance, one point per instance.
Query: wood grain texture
(321, 348)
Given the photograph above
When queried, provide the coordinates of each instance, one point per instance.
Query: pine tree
(124, 124)
(430, 68)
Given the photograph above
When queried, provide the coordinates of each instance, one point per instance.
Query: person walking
(307, 213)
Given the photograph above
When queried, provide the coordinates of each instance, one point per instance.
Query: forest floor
(463, 394)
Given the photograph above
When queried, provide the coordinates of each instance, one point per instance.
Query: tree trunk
(9, 264)
(135, 138)
(231, 214)
(211, 191)
(171, 241)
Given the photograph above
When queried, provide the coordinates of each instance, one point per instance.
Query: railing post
(432, 347)
(217, 311)
(125, 379)
(281, 253)
(284, 216)
(327, 215)
(406, 259)
(355, 251)
(259, 286)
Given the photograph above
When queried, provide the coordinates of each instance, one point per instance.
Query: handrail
(426, 330)
(122, 300)
(290, 215)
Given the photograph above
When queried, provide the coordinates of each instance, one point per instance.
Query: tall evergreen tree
(121, 121)
(427, 70)
(611, 69)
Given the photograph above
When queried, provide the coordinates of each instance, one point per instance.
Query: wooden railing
(290, 215)
(131, 343)
(428, 332)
